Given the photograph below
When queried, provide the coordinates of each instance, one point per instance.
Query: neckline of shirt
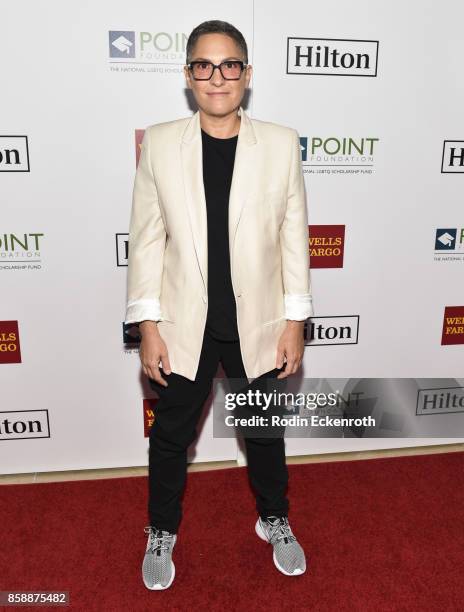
(218, 139)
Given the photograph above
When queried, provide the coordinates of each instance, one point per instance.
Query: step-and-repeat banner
(376, 93)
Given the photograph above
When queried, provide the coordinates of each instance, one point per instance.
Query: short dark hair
(215, 26)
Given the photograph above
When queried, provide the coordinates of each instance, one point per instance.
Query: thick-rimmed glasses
(231, 70)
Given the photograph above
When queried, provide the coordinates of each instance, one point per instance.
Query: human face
(218, 96)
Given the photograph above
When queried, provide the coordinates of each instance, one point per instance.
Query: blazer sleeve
(294, 242)
(147, 239)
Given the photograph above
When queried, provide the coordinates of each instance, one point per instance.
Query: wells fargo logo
(10, 350)
(148, 414)
(453, 325)
(326, 246)
(138, 145)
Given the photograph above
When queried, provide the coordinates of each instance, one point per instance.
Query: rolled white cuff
(143, 310)
(298, 307)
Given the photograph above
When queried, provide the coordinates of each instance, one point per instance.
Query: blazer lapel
(192, 172)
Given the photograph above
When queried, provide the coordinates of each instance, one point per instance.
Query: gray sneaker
(289, 557)
(158, 569)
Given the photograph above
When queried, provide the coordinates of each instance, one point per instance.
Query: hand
(152, 350)
(291, 346)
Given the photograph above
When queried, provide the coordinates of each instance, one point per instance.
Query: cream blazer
(167, 275)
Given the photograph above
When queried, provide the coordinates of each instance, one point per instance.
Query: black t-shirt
(218, 165)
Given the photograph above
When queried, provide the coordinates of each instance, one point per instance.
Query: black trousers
(174, 428)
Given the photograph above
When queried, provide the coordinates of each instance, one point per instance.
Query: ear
(187, 77)
(248, 75)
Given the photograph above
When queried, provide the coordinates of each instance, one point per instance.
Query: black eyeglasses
(231, 70)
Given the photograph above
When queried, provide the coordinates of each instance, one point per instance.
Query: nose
(217, 77)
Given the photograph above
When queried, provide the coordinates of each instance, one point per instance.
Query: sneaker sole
(260, 533)
(158, 586)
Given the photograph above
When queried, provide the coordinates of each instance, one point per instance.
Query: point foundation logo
(449, 244)
(21, 251)
(338, 154)
(146, 51)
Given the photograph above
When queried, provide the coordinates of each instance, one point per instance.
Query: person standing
(218, 272)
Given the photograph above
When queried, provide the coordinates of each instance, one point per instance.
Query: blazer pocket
(275, 202)
(270, 206)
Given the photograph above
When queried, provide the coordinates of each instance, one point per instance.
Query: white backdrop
(77, 106)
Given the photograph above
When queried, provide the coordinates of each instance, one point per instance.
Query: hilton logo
(332, 56)
(452, 161)
(122, 249)
(341, 329)
(14, 154)
(24, 424)
(440, 401)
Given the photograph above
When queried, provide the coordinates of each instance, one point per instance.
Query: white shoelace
(280, 530)
(159, 540)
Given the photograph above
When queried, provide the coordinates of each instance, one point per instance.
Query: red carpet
(381, 534)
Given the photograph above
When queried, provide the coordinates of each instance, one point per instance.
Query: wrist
(148, 327)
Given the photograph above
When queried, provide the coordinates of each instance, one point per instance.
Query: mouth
(218, 93)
